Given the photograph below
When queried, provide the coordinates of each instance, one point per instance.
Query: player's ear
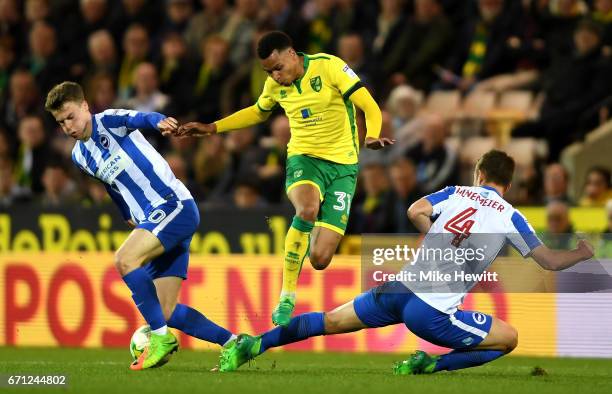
(507, 187)
(85, 105)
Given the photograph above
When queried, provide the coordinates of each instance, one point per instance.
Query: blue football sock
(300, 327)
(145, 297)
(193, 323)
(459, 359)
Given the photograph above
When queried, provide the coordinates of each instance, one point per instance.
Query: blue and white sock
(300, 327)
(145, 297)
(459, 359)
(195, 324)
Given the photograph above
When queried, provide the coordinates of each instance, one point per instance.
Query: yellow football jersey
(321, 116)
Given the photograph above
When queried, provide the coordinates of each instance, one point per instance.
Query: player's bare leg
(141, 247)
(501, 339)
(341, 320)
(305, 198)
(323, 245)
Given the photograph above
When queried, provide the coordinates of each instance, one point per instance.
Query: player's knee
(320, 259)
(307, 212)
(512, 339)
(124, 263)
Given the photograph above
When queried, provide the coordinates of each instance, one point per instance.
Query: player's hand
(586, 249)
(168, 126)
(196, 129)
(378, 143)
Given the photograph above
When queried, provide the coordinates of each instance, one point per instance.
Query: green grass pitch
(106, 371)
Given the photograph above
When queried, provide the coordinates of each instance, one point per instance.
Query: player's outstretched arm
(244, 118)
(420, 213)
(133, 120)
(557, 260)
(365, 102)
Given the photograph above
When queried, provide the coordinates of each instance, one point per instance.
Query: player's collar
(306, 61)
(490, 188)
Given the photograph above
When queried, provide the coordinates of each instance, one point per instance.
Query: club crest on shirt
(298, 173)
(316, 83)
(104, 141)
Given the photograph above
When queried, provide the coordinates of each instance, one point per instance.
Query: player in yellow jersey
(317, 93)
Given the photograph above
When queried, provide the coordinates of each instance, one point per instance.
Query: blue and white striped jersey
(135, 175)
(492, 222)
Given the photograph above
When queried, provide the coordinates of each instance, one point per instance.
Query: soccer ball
(140, 340)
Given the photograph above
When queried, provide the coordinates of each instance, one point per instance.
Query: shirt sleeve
(521, 235)
(343, 77)
(119, 201)
(439, 200)
(124, 121)
(266, 101)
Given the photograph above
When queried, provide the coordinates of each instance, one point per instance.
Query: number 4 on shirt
(460, 225)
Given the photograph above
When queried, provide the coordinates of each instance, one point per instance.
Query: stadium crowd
(451, 76)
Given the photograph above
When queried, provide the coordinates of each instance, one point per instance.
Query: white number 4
(341, 196)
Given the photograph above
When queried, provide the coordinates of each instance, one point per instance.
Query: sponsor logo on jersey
(479, 318)
(113, 166)
(306, 113)
(298, 173)
(316, 83)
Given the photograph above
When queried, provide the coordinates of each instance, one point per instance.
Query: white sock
(160, 331)
(234, 336)
(287, 294)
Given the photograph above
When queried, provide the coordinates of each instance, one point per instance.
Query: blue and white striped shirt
(135, 175)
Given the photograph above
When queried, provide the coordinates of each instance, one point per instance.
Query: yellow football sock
(297, 243)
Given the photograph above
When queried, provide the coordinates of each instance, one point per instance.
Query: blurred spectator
(36, 11)
(92, 17)
(32, 153)
(10, 19)
(247, 195)
(179, 168)
(100, 92)
(136, 48)
(209, 80)
(570, 88)
(435, 161)
(6, 146)
(209, 164)
(102, 54)
(175, 72)
(10, 192)
(390, 25)
(59, 189)
(319, 15)
(559, 230)
(21, 101)
(556, 182)
(426, 39)
(209, 21)
(239, 30)
(603, 249)
(371, 213)
(597, 189)
(7, 63)
(284, 16)
(403, 104)
(271, 166)
(602, 13)
(351, 50)
(135, 12)
(242, 88)
(178, 15)
(43, 60)
(95, 194)
(146, 96)
(405, 192)
(480, 50)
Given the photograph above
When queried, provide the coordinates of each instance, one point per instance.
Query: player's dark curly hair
(497, 167)
(274, 40)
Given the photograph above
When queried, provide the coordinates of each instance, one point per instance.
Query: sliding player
(476, 338)
(153, 260)
(317, 92)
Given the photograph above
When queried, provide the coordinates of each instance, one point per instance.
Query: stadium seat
(443, 102)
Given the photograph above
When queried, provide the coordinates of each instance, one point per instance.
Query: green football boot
(238, 352)
(418, 363)
(281, 316)
(157, 353)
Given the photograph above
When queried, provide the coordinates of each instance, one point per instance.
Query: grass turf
(106, 371)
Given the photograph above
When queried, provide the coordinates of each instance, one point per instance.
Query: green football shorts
(335, 182)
